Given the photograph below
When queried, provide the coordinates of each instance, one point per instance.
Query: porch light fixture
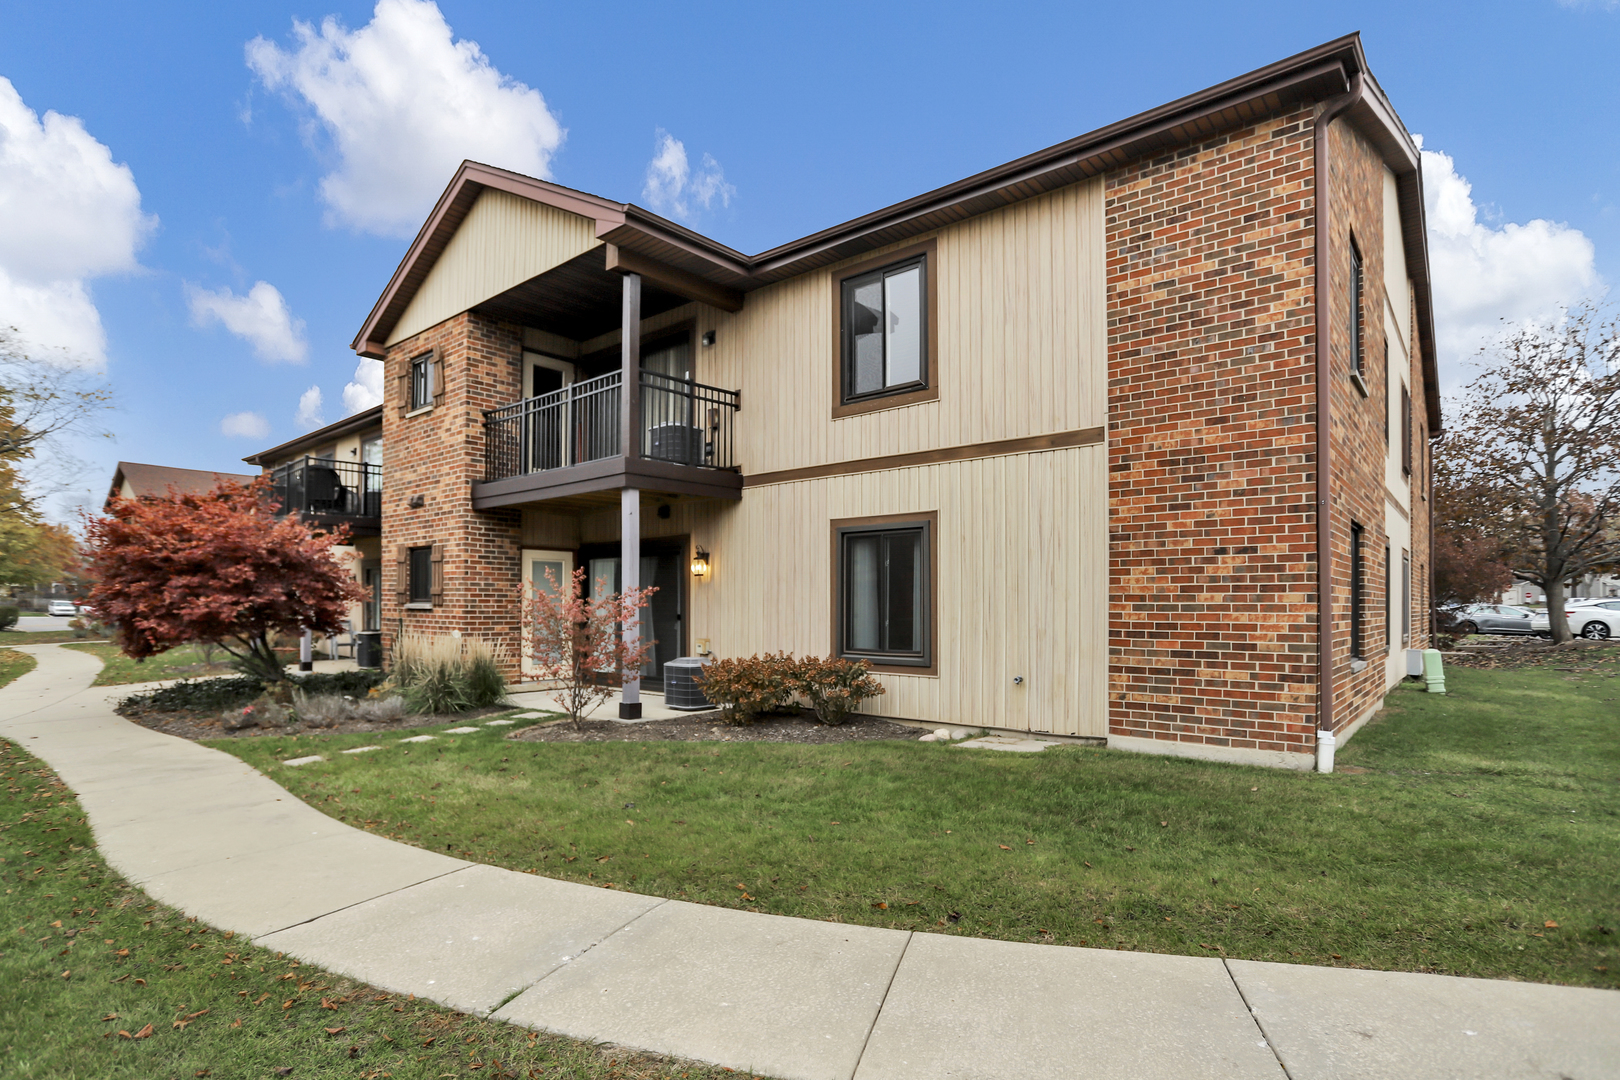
(708, 337)
(700, 563)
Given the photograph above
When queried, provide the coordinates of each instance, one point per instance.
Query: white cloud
(245, 425)
(67, 214)
(1485, 275)
(260, 317)
(309, 415)
(365, 389)
(672, 188)
(403, 103)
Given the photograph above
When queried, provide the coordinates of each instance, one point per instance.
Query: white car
(62, 607)
(1595, 622)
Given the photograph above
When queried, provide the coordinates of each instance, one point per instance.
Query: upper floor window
(886, 331)
(1406, 430)
(1358, 351)
(422, 387)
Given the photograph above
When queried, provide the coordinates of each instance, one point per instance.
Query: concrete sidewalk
(786, 998)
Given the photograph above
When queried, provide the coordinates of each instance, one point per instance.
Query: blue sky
(301, 164)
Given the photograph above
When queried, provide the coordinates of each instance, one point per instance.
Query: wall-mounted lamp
(416, 502)
(708, 337)
(700, 563)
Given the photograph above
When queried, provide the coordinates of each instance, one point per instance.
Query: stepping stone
(420, 738)
(362, 749)
(498, 723)
(461, 730)
(1005, 742)
(303, 760)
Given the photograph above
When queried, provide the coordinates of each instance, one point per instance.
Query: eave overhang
(360, 421)
(631, 233)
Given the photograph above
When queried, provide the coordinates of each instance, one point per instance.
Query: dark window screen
(421, 575)
(885, 593)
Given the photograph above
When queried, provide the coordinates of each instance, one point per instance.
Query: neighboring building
(132, 480)
(1522, 592)
(1045, 445)
(334, 476)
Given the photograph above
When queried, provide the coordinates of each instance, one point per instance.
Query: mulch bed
(194, 726)
(708, 727)
(1515, 653)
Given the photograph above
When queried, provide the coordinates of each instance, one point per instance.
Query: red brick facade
(1212, 456)
(437, 454)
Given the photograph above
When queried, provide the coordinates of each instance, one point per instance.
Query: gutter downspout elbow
(1323, 182)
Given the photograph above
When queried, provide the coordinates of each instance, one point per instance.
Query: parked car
(1595, 623)
(62, 607)
(1492, 619)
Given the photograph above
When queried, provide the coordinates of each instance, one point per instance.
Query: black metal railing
(330, 488)
(681, 421)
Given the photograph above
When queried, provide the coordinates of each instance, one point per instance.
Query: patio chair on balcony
(323, 489)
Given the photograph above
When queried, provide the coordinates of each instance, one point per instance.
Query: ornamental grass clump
(441, 675)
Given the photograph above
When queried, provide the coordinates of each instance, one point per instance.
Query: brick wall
(1212, 604)
(437, 455)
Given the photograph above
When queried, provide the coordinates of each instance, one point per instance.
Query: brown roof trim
(361, 420)
(1314, 74)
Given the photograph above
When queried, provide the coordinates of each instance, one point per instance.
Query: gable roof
(154, 481)
(1315, 74)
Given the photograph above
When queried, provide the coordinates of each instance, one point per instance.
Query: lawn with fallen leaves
(1476, 833)
(13, 664)
(102, 983)
(181, 662)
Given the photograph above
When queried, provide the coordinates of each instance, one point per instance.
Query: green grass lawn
(42, 637)
(13, 664)
(1483, 838)
(184, 661)
(101, 983)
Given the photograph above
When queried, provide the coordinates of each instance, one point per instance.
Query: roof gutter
(1323, 182)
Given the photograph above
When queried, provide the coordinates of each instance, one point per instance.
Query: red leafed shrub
(834, 687)
(749, 686)
(575, 642)
(220, 568)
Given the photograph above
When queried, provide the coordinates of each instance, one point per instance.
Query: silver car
(1493, 619)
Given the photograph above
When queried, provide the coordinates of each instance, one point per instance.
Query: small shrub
(8, 616)
(440, 675)
(834, 687)
(380, 710)
(196, 695)
(80, 628)
(746, 687)
(321, 710)
(344, 683)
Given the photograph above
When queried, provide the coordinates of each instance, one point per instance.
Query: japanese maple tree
(220, 568)
(576, 644)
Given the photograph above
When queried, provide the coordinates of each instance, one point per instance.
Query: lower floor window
(884, 593)
(421, 575)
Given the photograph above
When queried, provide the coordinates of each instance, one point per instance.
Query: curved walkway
(789, 998)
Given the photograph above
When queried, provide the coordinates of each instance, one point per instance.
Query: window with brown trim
(1358, 592)
(886, 332)
(884, 586)
(420, 574)
(1358, 351)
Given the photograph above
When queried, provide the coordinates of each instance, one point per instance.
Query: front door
(546, 425)
(663, 566)
(558, 582)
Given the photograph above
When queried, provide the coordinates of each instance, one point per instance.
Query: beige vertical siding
(1021, 318)
(505, 240)
(1021, 576)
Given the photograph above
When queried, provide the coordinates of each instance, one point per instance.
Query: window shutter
(402, 573)
(438, 573)
(404, 380)
(436, 381)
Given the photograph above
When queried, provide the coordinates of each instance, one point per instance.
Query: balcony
(569, 443)
(329, 492)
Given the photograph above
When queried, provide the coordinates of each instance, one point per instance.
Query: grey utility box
(681, 689)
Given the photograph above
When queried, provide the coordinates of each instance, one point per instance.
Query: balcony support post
(629, 581)
(630, 356)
